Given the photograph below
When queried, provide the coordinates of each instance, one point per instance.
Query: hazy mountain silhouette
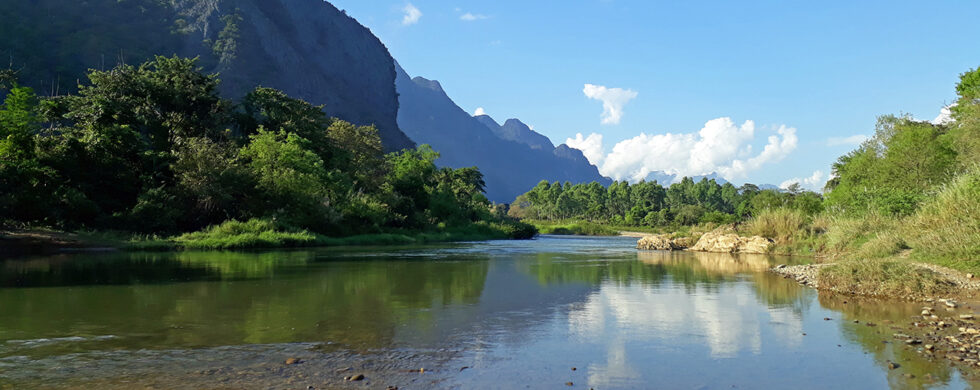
(513, 159)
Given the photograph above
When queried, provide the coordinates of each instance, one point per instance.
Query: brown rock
(662, 242)
(291, 361)
(732, 243)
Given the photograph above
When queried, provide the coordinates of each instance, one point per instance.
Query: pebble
(893, 365)
(354, 378)
(966, 316)
(951, 304)
(569, 384)
(293, 361)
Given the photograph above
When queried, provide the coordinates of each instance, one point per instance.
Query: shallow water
(501, 314)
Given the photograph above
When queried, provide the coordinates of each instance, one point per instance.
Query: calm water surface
(505, 314)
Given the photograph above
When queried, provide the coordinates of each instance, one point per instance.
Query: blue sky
(823, 68)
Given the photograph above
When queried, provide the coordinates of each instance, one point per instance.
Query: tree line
(651, 204)
(154, 148)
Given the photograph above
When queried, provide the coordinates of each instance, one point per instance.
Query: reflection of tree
(871, 338)
(362, 304)
(775, 290)
(100, 269)
(549, 269)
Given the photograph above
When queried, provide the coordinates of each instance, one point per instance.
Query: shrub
(254, 233)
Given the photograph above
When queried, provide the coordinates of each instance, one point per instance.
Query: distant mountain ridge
(515, 130)
(512, 157)
(666, 179)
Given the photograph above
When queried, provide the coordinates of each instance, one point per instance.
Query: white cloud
(945, 116)
(479, 111)
(412, 15)
(720, 147)
(469, 17)
(852, 140)
(815, 182)
(590, 146)
(613, 101)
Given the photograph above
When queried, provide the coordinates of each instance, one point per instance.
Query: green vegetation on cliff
(153, 149)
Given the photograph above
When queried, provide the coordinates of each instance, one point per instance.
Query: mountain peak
(488, 121)
(516, 122)
(428, 84)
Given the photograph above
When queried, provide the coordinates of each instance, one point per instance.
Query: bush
(254, 233)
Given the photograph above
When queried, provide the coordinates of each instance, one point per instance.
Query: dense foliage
(153, 148)
(651, 204)
(908, 161)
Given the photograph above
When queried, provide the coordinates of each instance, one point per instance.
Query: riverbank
(252, 234)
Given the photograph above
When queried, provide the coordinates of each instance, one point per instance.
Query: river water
(549, 313)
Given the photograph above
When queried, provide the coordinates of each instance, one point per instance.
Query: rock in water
(732, 243)
(658, 242)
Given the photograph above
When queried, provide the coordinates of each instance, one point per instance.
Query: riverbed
(554, 312)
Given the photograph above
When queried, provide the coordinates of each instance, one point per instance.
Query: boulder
(659, 242)
(732, 243)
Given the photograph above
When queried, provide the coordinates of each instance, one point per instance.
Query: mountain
(512, 157)
(517, 131)
(306, 48)
(667, 179)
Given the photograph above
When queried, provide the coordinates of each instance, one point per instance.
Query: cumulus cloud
(945, 116)
(469, 17)
(479, 111)
(590, 146)
(412, 15)
(852, 140)
(720, 147)
(815, 182)
(613, 101)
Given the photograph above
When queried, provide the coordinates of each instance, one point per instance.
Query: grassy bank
(876, 254)
(253, 234)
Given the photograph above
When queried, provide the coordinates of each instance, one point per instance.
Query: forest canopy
(153, 148)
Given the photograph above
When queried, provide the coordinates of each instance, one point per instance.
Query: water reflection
(529, 310)
(889, 317)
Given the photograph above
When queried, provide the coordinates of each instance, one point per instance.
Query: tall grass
(781, 225)
(947, 227)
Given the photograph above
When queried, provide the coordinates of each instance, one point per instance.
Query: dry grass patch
(884, 277)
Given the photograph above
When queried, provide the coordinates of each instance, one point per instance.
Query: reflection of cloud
(725, 318)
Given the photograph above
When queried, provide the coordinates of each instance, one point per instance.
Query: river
(550, 313)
